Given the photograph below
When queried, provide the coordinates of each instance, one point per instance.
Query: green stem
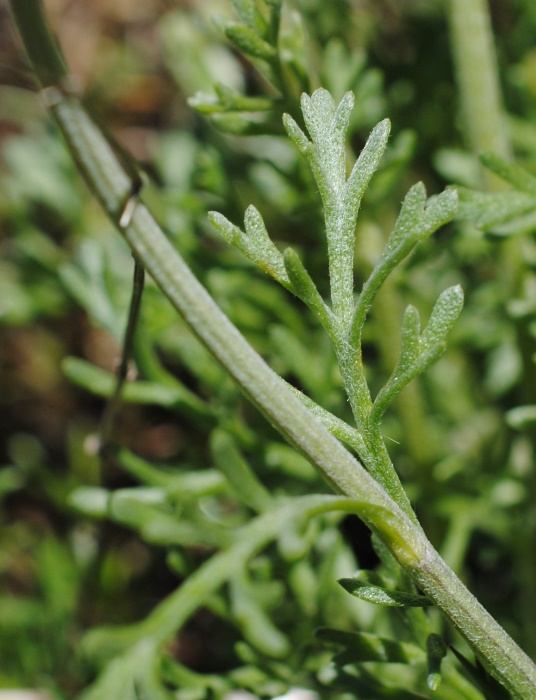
(114, 402)
(480, 93)
(478, 82)
(108, 178)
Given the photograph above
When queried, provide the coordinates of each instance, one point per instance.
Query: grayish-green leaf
(419, 351)
(255, 244)
(444, 314)
(367, 163)
(304, 287)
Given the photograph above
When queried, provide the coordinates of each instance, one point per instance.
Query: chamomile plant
(228, 536)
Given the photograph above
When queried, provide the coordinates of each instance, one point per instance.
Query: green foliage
(210, 539)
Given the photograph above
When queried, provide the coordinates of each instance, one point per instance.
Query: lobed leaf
(232, 234)
(444, 314)
(255, 244)
(368, 162)
(296, 134)
(229, 100)
(318, 113)
(262, 249)
(255, 622)
(407, 223)
(418, 352)
(439, 210)
(249, 41)
(411, 336)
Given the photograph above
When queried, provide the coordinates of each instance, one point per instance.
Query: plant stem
(480, 93)
(112, 407)
(107, 177)
(478, 82)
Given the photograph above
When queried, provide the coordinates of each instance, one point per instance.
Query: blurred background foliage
(84, 543)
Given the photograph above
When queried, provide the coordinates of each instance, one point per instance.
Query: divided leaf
(420, 350)
(229, 100)
(296, 134)
(418, 218)
(255, 243)
(248, 41)
(368, 161)
(318, 112)
(444, 314)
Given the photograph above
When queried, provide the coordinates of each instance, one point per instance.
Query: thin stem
(112, 407)
(477, 74)
(479, 86)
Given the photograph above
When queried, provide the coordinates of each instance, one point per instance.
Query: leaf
(436, 650)
(488, 210)
(239, 474)
(439, 210)
(255, 621)
(512, 173)
(102, 383)
(521, 417)
(249, 42)
(411, 212)
(304, 287)
(418, 352)
(318, 113)
(263, 250)
(250, 15)
(411, 336)
(90, 500)
(382, 596)
(229, 100)
(255, 244)
(296, 134)
(368, 162)
(444, 314)
(232, 234)
(361, 647)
